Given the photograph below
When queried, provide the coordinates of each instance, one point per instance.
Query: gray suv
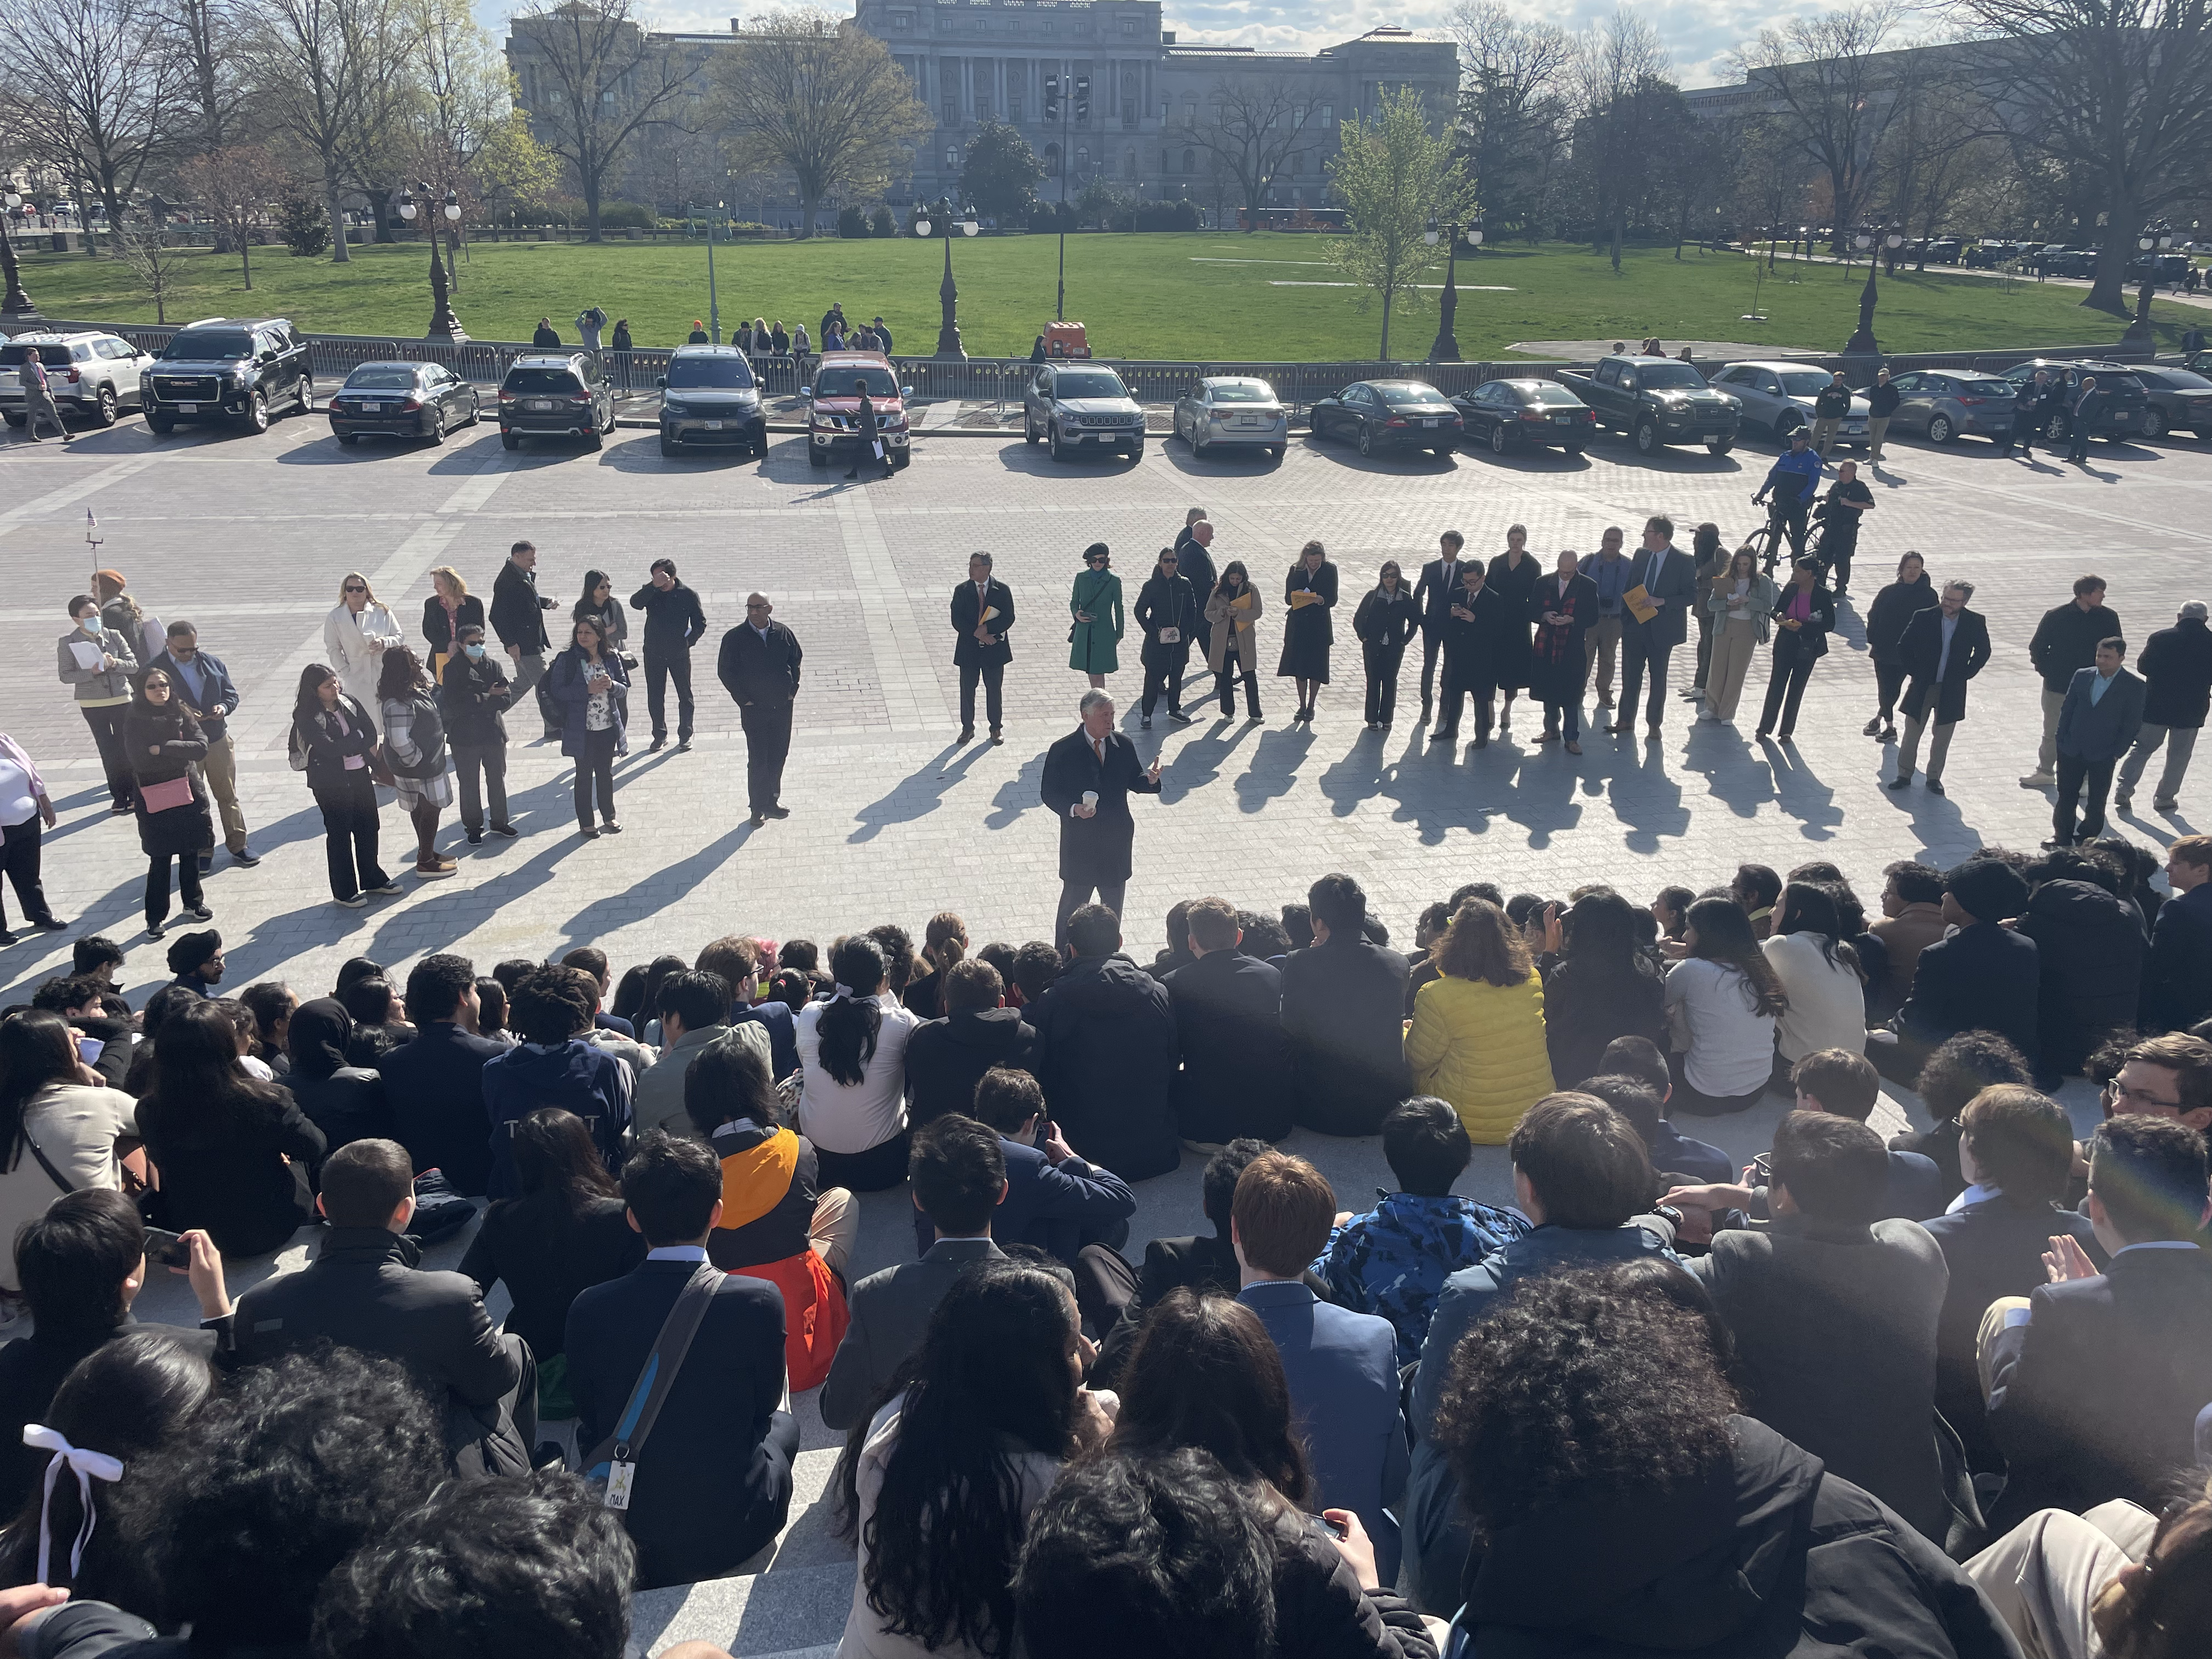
(1075, 407)
(709, 398)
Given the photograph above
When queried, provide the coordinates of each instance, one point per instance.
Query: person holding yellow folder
(1233, 608)
(982, 611)
(1310, 591)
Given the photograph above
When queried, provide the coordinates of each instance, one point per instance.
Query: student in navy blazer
(1342, 1367)
(1054, 1199)
(714, 1477)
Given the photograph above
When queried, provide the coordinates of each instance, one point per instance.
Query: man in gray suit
(1669, 581)
(694, 1009)
(959, 1176)
(2097, 724)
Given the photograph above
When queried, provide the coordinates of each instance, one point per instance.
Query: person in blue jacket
(1794, 480)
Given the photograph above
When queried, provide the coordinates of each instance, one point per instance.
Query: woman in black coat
(332, 741)
(1562, 605)
(1892, 608)
(450, 607)
(1802, 618)
(1167, 609)
(346, 1103)
(163, 741)
(1386, 619)
(1513, 573)
(1598, 984)
(1307, 634)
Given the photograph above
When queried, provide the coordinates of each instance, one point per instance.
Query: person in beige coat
(1233, 653)
(54, 1110)
(357, 635)
(1739, 603)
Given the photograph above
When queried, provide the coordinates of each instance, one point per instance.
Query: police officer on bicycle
(1794, 481)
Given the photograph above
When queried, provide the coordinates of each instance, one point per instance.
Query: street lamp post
(948, 296)
(1446, 347)
(15, 303)
(444, 326)
(1861, 343)
(2156, 238)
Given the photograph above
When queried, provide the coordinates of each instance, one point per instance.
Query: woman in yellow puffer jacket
(1477, 1037)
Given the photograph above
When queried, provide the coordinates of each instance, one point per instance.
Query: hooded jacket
(590, 1082)
(946, 1058)
(2089, 950)
(1770, 1556)
(1106, 1056)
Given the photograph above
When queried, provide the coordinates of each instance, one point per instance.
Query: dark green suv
(231, 370)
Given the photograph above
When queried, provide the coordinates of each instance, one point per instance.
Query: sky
(1700, 32)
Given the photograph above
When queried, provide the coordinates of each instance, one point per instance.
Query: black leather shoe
(967, 735)
(778, 811)
(246, 856)
(1934, 787)
(656, 746)
(1904, 782)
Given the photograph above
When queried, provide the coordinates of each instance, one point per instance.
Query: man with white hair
(2176, 665)
(1088, 777)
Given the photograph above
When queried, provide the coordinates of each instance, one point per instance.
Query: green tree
(999, 173)
(1394, 172)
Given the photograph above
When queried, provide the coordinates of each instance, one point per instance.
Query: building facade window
(1129, 25)
(902, 22)
(1190, 160)
(1328, 115)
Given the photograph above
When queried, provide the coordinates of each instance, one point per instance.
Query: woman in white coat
(356, 636)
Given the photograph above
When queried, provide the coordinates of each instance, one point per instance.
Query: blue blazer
(782, 1035)
(217, 688)
(1342, 1368)
(1058, 1208)
(2101, 730)
(564, 684)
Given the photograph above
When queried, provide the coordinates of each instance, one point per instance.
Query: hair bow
(89, 1466)
(841, 994)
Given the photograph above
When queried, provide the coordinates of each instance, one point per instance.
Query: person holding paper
(982, 611)
(1233, 608)
(1166, 610)
(100, 662)
(1088, 776)
(165, 741)
(1474, 634)
(1310, 591)
(1385, 622)
(1662, 583)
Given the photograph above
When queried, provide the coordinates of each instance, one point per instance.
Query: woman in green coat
(1096, 604)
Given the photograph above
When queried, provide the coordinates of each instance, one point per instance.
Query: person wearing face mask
(477, 693)
(164, 741)
(100, 662)
(356, 633)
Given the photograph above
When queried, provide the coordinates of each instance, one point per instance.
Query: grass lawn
(1176, 297)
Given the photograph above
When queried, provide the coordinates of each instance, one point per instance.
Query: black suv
(564, 393)
(230, 368)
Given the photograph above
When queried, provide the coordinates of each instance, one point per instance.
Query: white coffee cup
(1091, 797)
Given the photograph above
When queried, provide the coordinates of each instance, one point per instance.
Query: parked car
(556, 394)
(230, 370)
(1227, 411)
(401, 400)
(2180, 401)
(1075, 406)
(1779, 396)
(1943, 404)
(2126, 399)
(2159, 268)
(1657, 401)
(833, 407)
(1388, 415)
(1508, 415)
(90, 374)
(709, 398)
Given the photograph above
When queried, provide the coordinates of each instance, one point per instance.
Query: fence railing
(999, 381)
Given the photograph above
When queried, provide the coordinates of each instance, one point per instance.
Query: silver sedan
(1223, 410)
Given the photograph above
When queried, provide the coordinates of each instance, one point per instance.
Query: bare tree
(1513, 108)
(1837, 91)
(2117, 93)
(96, 87)
(206, 36)
(156, 265)
(236, 184)
(332, 75)
(1769, 186)
(1942, 138)
(1251, 125)
(601, 80)
(808, 94)
(1620, 76)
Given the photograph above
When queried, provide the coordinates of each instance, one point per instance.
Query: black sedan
(1509, 414)
(401, 400)
(1388, 415)
(2180, 401)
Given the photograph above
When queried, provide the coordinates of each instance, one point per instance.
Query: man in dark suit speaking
(1669, 581)
(982, 611)
(1088, 776)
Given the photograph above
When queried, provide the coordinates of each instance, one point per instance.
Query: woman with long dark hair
(599, 605)
(852, 1054)
(938, 1489)
(1386, 619)
(1819, 971)
(1167, 611)
(346, 1102)
(1738, 609)
(565, 1234)
(1477, 1038)
(1599, 984)
(1309, 594)
(1233, 651)
(589, 685)
(414, 744)
(272, 1004)
(1892, 608)
(62, 1129)
(163, 741)
(1671, 911)
(234, 1151)
(332, 741)
(1723, 1000)
(1204, 1372)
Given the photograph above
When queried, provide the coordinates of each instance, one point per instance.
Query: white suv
(96, 375)
(1077, 406)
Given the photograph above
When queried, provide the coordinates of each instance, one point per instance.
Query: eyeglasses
(354, 588)
(2137, 1100)
(761, 605)
(1168, 560)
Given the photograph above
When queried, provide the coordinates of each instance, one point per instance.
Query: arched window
(1081, 159)
(1190, 160)
(1128, 164)
(1052, 161)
